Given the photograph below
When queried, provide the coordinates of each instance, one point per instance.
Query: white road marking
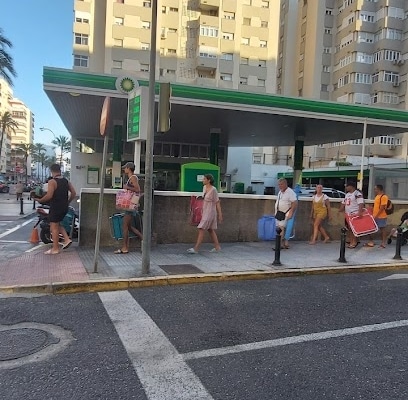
(17, 227)
(35, 247)
(14, 241)
(293, 340)
(161, 369)
(395, 276)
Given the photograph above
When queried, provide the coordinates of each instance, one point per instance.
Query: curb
(102, 285)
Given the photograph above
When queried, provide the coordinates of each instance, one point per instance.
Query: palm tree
(64, 144)
(38, 149)
(7, 124)
(7, 70)
(27, 149)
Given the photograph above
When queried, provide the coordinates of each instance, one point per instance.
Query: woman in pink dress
(211, 208)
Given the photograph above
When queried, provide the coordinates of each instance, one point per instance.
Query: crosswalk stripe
(293, 340)
(162, 371)
(395, 276)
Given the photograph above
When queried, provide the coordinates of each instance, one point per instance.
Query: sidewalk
(72, 270)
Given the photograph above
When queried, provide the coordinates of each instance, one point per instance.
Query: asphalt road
(311, 337)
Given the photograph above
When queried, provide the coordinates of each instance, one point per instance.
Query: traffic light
(163, 117)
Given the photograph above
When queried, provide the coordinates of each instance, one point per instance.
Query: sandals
(120, 251)
(352, 246)
(66, 245)
(369, 244)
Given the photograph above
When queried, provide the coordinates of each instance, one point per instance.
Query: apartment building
(6, 94)
(230, 44)
(353, 51)
(216, 43)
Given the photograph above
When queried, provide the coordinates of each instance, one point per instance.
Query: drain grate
(177, 269)
(17, 343)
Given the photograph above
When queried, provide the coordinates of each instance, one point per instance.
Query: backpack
(389, 209)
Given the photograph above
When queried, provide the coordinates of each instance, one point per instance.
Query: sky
(41, 33)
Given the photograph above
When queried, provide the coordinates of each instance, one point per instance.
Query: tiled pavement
(76, 264)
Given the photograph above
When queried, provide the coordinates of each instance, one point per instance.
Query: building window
(81, 61)
(328, 31)
(147, 4)
(262, 63)
(227, 56)
(229, 15)
(245, 41)
(326, 50)
(118, 42)
(264, 4)
(117, 64)
(145, 24)
(226, 77)
(120, 1)
(329, 11)
(243, 81)
(344, 80)
(362, 78)
(144, 67)
(261, 82)
(81, 38)
(244, 61)
(263, 43)
(264, 24)
(364, 58)
(118, 21)
(82, 20)
(145, 46)
(324, 88)
(246, 21)
(365, 37)
(163, 9)
(173, 9)
(172, 30)
(228, 36)
(210, 31)
(326, 68)
(171, 51)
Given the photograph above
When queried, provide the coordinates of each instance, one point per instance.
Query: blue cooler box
(267, 228)
(116, 223)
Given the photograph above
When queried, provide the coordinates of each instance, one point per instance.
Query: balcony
(210, 20)
(209, 4)
(207, 63)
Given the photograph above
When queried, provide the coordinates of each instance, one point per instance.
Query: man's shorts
(282, 224)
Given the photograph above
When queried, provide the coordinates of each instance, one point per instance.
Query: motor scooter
(70, 224)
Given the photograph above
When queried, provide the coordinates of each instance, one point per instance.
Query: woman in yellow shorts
(319, 212)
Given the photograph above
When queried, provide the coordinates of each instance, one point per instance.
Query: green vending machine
(192, 174)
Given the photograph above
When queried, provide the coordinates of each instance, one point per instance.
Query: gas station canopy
(244, 119)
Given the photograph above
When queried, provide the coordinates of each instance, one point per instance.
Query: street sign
(138, 105)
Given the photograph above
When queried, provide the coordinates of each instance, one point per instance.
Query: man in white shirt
(353, 203)
(285, 207)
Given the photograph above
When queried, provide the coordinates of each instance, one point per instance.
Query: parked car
(330, 192)
(3, 187)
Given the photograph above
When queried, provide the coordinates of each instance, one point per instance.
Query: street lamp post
(48, 129)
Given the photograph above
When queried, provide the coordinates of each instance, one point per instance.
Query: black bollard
(342, 257)
(21, 206)
(398, 245)
(277, 246)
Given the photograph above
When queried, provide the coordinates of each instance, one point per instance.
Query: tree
(27, 149)
(7, 124)
(38, 149)
(64, 145)
(7, 70)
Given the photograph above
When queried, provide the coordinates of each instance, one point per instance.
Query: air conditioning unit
(392, 146)
(401, 62)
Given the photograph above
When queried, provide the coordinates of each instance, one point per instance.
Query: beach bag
(126, 200)
(196, 209)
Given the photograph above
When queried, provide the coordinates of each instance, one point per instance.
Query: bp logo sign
(126, 84)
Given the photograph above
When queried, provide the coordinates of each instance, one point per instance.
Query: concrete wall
(171, 215)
